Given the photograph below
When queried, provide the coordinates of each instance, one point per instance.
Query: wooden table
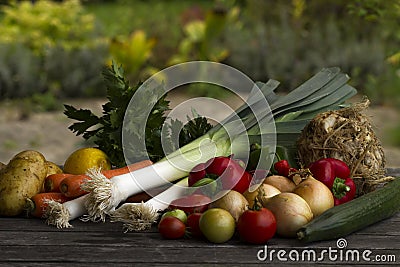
(30, 242)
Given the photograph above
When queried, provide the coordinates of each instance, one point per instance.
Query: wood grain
(30, 242)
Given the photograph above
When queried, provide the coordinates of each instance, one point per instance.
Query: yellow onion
(291, 213)
(283, 183)
(264, 190)
(233, 201)
(318, 196)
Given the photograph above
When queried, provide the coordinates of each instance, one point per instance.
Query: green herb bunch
(106, 130)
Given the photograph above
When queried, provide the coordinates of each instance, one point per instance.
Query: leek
(140, 216)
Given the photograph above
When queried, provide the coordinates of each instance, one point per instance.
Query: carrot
(71, 186)
(132, 167)
(37, 204)
(53, 181)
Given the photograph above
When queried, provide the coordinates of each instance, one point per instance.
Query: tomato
(171, 228)
(197, 173)
(191, 203)
(218, 165)
(256, 226)
(217, 225)
(282, 167)
(180, 214)
(193, 224)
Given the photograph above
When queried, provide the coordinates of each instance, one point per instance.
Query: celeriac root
(346, 134)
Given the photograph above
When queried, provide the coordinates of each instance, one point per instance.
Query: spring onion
(59, 215)
(140, 216)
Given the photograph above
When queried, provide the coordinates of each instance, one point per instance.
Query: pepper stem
(339, 188)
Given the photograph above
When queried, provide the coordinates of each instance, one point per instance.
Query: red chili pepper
(233, 175)
(282, 167)
(343, 190)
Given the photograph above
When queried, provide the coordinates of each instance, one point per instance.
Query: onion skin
(282, 183)
(318, 196)
(233, 202)
(291, 213)
(264, 190)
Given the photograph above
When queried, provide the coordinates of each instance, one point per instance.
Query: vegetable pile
(310, 167)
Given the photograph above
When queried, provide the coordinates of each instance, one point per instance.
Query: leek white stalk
(140, 216)
(253, 122)
(60, 214)
(106, 194)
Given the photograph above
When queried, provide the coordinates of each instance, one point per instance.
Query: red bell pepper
(340, 167)
(323, 171)
(335, 174)
(343, 190)
(232, 175)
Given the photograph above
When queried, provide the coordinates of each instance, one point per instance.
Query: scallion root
(99, 200)
(56, 214)
(135, 216)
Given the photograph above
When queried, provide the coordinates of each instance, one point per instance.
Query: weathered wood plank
(393, 172)
(101, 233)
(221, 254)
(31, 242)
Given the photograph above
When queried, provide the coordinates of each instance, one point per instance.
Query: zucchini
(354, 215)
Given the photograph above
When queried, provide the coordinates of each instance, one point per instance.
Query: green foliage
(49, 48)
(48, 24)
(302, 37)
(75, 73)
(203, 37)
(108, 131)
(108, 127)
(132, 52)
(20, 73)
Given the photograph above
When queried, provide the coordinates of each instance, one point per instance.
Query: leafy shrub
(20, 73)
(132, 52)
(50, 48)
(286, 53)
(46, 24)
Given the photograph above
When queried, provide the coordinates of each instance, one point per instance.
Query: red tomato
(236, 179)
(218, 165)
(197, 173)
(171, 228)
(193, 224)
(282, 167)
(256, 226)
(191, 203)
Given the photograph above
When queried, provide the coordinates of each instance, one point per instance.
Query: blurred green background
(53, 50)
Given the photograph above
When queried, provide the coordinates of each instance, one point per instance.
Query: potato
(52, 168)
(22, 178)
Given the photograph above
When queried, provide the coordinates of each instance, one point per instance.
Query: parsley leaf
(106, 130)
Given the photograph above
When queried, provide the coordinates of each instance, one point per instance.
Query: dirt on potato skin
(48, 132)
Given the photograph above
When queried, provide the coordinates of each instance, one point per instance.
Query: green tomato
(180, 214)
(217, 225)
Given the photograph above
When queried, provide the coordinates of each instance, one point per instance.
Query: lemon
(85, 158)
